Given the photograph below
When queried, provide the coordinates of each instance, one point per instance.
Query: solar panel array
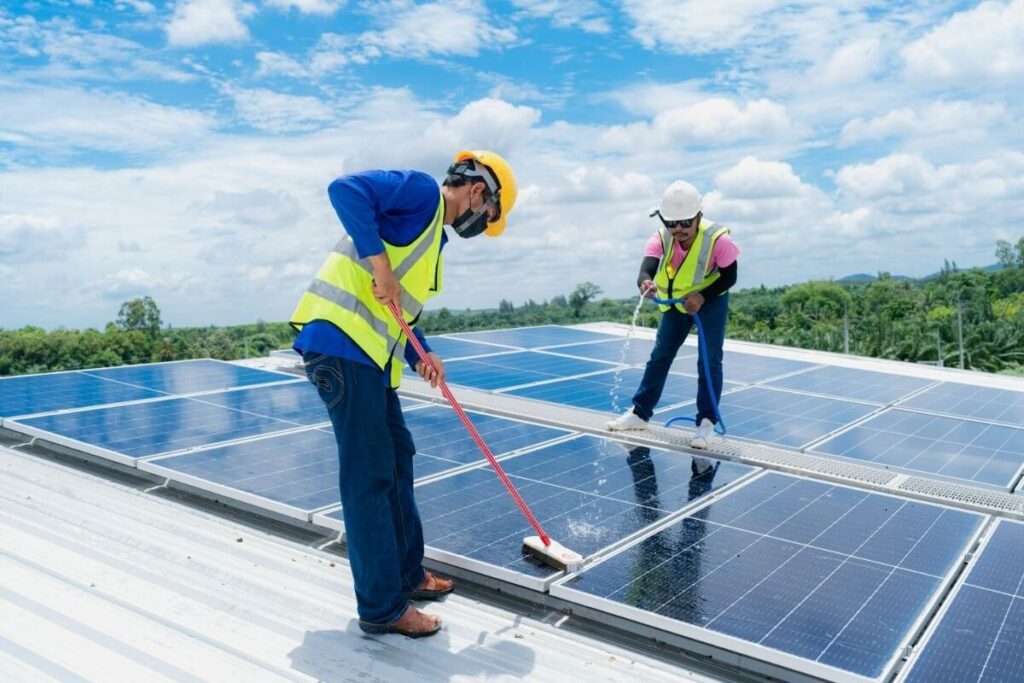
(806, 576)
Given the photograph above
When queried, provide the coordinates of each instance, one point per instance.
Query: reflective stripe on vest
(692, 275)
(342, 294)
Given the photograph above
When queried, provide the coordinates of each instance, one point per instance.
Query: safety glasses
(472, 170)
(684, 223)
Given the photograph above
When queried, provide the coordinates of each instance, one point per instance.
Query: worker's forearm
(648, 267)
(726, 279)
(381, 264)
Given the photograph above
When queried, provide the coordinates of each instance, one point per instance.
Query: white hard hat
(680, 201)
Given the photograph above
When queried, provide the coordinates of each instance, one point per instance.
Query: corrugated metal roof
(104, 581)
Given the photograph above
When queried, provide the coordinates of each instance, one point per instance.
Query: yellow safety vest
(342, 294)
(693, 274)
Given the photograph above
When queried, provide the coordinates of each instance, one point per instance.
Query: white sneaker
(628, 420)
(700, 466)
(705, 433)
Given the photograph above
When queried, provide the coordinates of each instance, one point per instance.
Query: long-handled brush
(540, 546)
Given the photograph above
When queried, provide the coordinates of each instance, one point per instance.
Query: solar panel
(852, 383)
(786, 418)
(749, 367)
(512, 369)
(964, 400)
(127, 432)
(31, 394)
(813, 577)
(636, 352)
(443, 443)
(979, 634)
(297, 401)
(450, 348)
(470, 519)
(189, 376)
(293, 473)
(611, 391)
(964, 449)
(535, 337)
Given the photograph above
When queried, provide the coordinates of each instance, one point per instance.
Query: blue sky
(182, 148)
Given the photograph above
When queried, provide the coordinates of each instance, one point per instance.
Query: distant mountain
(864, 277)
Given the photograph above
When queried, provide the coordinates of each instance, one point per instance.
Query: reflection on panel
(188, 376)
(512, 369)
(852, 383)
(30, 394)
(143, 429)
(963, 449)
(964, 400)
(298, 469)
(297, 402)
(611, 391)
(588, 493)
(824, 574)
(748, 367)
(450, 348)
(443, 443)
(536, 337)
(785, 418)
(980, 635)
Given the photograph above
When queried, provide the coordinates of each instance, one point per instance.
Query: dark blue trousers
(375, 449)
(672, 331)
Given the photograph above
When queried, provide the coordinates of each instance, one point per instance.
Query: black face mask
(471, 223)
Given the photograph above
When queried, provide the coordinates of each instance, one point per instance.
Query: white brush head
(555, 555)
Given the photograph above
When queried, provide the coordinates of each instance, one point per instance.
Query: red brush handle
(545, 539)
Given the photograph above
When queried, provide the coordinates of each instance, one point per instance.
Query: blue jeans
(672, 331)
(382, 525)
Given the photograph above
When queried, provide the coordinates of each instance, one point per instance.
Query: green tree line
(911, 320)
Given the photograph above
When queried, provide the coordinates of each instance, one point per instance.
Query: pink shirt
(724, 253)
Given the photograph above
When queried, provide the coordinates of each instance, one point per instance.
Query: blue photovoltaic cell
(144, 429)
(512, 369)
(534, 337)
(190, 376)
(637, 352)
(299, 469)
(297, 402)
(975, 451)
(442, 442)
(450, 348)
(587, 493)
(611, 391)
(981, 635)
(825, 573)
(748, 367)
(964, 400)
(785, 418)
(852, 383)
(29, 394)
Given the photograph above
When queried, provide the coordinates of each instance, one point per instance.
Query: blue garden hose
(703, 346)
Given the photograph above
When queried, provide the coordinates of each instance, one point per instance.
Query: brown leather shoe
(432, 588)
(412, 624)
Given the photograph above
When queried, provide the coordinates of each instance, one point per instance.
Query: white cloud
(486, 123)
(96, 120)
(986, 42)
(710, 122)
(198, 22)
(586, 15)
(140, 6)
(856, 61)
(279, 64)
(959, 120)
(324, 7)
(32, 238)
(279, 112)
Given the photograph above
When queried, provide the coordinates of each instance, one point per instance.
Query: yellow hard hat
(508, 190)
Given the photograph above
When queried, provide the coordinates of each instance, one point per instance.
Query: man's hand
(385, 284)
(432, 375)
(648, 288)
(693, 302)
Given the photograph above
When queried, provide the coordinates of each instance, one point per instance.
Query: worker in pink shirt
(691, 257)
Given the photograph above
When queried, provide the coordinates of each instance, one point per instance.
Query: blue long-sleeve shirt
(374, 207)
